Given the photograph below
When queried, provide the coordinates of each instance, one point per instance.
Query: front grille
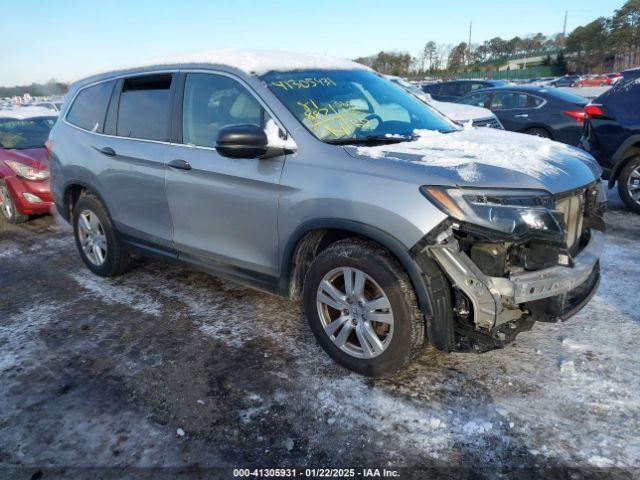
(487, 122)
(570, 210)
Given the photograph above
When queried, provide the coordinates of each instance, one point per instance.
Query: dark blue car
(451, 91)
(543, 111)
(566, 81)
(612, 135)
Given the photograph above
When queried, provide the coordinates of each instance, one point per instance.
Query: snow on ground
(166, 366)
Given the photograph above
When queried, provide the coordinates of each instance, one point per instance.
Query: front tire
(8, 206)
(362, 309)
(629, 184)
(97, 239)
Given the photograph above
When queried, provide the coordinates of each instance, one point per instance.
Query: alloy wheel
(6, 205)
(92, 237)
(633, 185)
(355, 312)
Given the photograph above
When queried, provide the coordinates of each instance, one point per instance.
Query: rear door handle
(180, 164)
(108, 151)
(522, 115)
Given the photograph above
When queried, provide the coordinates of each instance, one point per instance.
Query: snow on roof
(27, 112)
(255, 62)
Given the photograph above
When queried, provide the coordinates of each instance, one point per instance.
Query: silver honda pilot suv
(317, 179)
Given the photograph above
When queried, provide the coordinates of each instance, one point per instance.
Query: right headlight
(514, 212)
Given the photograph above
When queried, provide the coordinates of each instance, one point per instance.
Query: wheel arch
(312, 237)
(625, 152)
(71, 193)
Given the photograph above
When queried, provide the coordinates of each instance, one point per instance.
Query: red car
(594, 81)
(24, 167)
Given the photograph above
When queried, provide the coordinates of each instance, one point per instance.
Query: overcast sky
(68, 39)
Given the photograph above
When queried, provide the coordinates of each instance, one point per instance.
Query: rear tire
(629, 184)
(97, 239)
(8, 206)
(386, 294)
(538, 132)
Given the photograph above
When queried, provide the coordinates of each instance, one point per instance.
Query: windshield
(28, 133)
(339, 105)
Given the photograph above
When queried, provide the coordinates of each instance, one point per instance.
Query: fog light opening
(31, 197)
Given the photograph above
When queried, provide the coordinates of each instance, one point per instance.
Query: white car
(480, 117)
(27, 112)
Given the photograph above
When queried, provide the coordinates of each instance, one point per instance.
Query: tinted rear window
(90, 107)
(144, 108)
(568, 97)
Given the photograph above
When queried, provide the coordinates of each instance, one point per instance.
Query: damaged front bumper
(529, 286)
(502, 306)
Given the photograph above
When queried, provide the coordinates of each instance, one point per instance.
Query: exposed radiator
(571, 210)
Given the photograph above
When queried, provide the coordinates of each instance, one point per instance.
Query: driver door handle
(180, 164)
(108, 151)
(522, 115)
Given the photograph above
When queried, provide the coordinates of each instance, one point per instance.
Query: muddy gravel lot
(173, 369)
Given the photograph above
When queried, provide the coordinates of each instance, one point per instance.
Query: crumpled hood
(486, 157)
(32, 157)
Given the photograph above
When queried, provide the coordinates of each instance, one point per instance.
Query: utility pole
(469, 45)
(564, 29)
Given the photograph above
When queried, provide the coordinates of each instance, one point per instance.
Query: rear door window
(514, 100)
(212, 102)
(90, 107)
(144, 106)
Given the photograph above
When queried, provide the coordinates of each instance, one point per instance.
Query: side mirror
(242, 141)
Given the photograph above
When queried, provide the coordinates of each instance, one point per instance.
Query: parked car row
(598, 80)
(317, 179)
(542, 111)
(478, 116)
(53, 103)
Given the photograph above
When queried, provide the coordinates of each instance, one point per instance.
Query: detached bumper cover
(530, 286)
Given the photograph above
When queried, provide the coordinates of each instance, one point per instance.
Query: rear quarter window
(89, 108)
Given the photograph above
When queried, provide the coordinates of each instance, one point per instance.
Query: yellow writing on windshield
(338, 118)
(308, 82)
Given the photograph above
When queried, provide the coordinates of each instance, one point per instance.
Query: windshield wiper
(369, 140)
